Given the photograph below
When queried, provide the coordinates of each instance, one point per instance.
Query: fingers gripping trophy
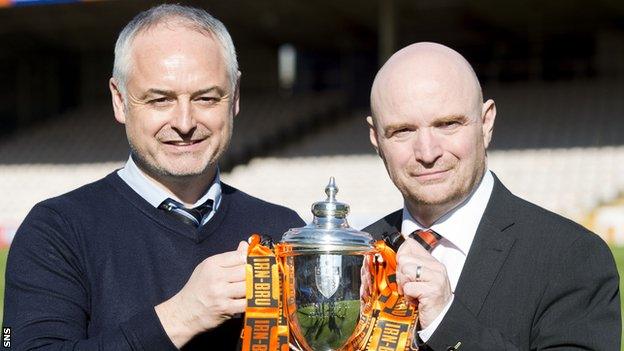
(325, 286)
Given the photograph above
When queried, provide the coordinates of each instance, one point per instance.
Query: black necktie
(190, 216)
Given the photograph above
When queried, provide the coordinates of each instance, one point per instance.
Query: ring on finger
(419, 269)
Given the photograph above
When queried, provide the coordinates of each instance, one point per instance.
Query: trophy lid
(329, 230)
(330, 207)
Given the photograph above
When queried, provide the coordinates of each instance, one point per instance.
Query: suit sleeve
(581, 306)
(579, 309)
(47, 296)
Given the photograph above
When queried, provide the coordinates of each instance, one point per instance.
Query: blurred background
(554, 68)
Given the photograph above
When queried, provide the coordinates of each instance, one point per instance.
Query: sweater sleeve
(47, 296)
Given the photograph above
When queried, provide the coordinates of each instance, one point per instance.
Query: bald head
(428, 69)
(431, 127)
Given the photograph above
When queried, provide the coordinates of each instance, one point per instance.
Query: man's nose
(183, 120)
(427, 146)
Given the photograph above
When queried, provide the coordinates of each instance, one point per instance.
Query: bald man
(495, 272)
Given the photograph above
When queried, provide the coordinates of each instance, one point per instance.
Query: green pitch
(326, 326)
(618, 253)
(3, 257)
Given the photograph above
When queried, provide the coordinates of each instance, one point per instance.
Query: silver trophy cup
(325, 265)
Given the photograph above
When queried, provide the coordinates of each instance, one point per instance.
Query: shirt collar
(459, 226)
(155, 195)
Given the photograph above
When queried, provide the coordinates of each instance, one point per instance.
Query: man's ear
(236, 101)
(372, 133)
(118, 101)
(488, 115)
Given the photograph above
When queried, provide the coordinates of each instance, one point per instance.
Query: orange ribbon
(387, 324)
(386, 319)
(262, 316)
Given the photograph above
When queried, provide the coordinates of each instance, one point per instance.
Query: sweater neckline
(173, 225)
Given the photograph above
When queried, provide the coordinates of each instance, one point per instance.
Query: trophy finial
(330, 208)
(331, 190)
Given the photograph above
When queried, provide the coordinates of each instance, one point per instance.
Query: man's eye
(450, 124)
(159, 101)
(400, 132)
(208, 99)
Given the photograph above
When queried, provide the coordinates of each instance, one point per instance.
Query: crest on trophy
(327, 274)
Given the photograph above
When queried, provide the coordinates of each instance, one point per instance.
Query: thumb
(242, 248)
(409, 246)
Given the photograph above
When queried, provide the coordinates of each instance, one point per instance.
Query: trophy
(324, 287)
(326, 260)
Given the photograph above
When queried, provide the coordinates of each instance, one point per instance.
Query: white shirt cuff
(426, 333)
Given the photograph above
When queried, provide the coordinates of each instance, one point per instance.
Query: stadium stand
(558, 145)
(553, 178)
(82, 136)
(86, 144)
(566, 114)
(267, 122)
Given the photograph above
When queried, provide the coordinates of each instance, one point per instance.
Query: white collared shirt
(457, 228)
(155, 194)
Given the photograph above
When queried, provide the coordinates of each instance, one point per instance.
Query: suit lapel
(488, 251)
(390, 224)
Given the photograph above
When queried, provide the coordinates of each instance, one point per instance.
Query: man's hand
(366, 284)
(213, 294)
(432, 291)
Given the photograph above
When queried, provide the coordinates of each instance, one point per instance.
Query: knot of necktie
(191, 216)
(427, 238)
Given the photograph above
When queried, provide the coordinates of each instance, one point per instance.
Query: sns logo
(6, 337)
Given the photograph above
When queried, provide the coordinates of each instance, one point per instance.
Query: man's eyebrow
(393, 127)
(216, 89)
(453, 117)
(387, 130)
(163, 92)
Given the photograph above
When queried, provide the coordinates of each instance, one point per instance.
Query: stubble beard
(157, 171)
(455, 193)
(422, 199)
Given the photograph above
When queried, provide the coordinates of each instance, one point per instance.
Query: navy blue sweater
(86, 269)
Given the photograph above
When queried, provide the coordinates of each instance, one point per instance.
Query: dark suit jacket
(532, 281)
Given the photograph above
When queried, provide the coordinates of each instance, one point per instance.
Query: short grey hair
(195, 18)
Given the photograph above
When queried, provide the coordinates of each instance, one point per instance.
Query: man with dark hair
(152, 257)
(487, 270)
